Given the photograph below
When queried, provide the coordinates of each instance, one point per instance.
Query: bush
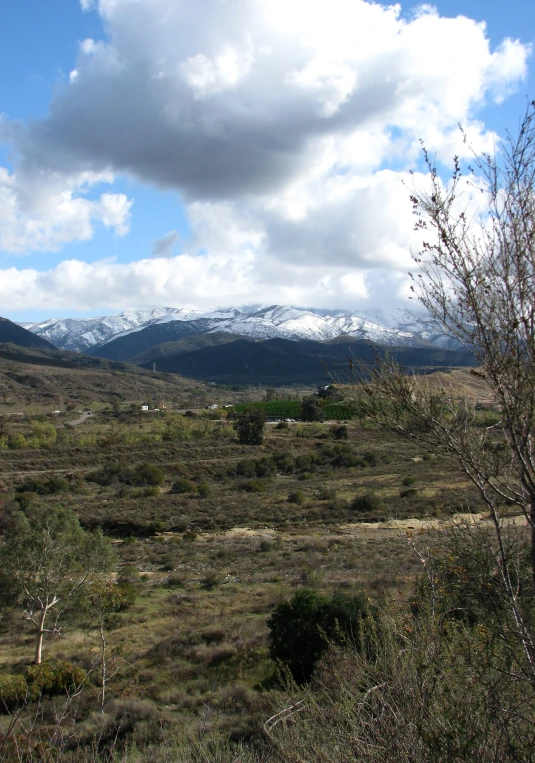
(246, 468)
(311, 410)
(204, 490)
(184, 486)
(367, 502)
(301, 629)
(340, 432)
(49, 678)
(250, 427)
(253, 486)
(146, 474)
(51, 486)
(296, 497)
(409, 492)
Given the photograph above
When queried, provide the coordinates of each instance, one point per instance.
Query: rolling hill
(283, 361)
(12, 332)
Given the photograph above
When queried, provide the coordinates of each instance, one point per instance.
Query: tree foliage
(250, 427)
(47, 562)
(302, 629)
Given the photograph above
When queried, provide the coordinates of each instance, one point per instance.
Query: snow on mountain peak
(391, 327)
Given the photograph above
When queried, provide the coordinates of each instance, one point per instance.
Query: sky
(204, 153)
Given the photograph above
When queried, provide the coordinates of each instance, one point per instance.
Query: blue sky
(257, 154)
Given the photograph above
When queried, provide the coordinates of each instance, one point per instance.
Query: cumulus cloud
(287, 126)
(45, 211)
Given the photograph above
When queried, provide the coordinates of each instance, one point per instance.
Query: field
(211, 535)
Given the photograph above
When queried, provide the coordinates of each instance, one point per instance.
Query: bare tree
(476, 278)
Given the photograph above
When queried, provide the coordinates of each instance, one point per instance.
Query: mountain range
(90, 335)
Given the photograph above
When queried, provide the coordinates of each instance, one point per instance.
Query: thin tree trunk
(39, 638)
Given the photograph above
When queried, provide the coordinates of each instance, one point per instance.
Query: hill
(283, 361)
(12, 332)
(43, 376)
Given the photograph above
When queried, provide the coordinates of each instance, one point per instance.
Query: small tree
(311, 410)
(250, 427)
(47, 560)
(302, 628)
(477, 281)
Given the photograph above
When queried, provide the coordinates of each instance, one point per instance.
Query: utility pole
(153, 366)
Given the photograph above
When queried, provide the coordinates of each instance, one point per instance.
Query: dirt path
(85, 415)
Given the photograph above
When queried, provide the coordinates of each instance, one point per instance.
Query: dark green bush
(296, 497)
(301, 629)
(246, 468)
(340, 432)
(184, 486)
(49, 679)
(204, 490)
(253, 486)
(51, 486)
(367, 502)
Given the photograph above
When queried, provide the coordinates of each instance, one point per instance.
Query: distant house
(144, 407)
(213, 407)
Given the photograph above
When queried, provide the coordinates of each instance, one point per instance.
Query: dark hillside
(11, 332)
(127, 346)
(283, 361)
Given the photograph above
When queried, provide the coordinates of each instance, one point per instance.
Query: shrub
(296, 497)
(253, 486)
(51, 486)
(407, 481)
(204, 490)
(49, 678)
(282, 425)
(265, 467)
(250, 427)
(367, 502)
(409, 492)
(340, 432)
(311, 410)
(246, 468)
(146, 474)
(301, 629)
(184, 486)
(284, 462)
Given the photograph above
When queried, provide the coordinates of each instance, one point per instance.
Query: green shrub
(253, 486)
(407, 481)
(284, 462)
(301, 629)
(340, 432)
(367, 502)
(184, 486)
(409, 492)
(146, 474)
(246, 468)
(49, 678)
(204, 490)
(296, 497)
(13, 692)
(51, 486)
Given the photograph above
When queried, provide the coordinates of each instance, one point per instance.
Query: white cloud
(46, 211)
(279, 121)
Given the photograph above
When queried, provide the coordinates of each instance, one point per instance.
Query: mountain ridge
(391, 328)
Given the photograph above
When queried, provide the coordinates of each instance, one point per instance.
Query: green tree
(302, 629)
(47, 562)
(311, 410)
(250, 427)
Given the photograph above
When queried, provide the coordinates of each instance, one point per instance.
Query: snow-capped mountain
(80, 334)
(395, 328)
